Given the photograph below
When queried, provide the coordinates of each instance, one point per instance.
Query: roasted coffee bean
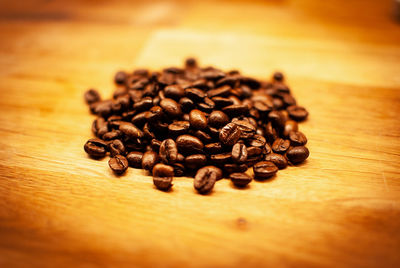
(219, 92)
(267, 149)
(118, 164)
(178, 128)
(290, 126)
(229, 134)
(120, 77)
(195, 94)
(278, 159)
(102, 108)
(190, 63)
(264, 169)
(278, 77)
(277, 119)
(174, 92)
(288, 99)
(239, 153)
(236, 110)
(298, 113)
(162, 176)
(233, 168)
(221, 102)
(280, 146)
(155, 114)
(112, 135)
(149, 160)
(135, 159)
(253, 151)
(92, 96)
(218, 171)
(195, 161)
(203, 136)
(257, 141)
(240, 179)
(171, 107)
(197, 119)
(96, 148)
(99, 127)
(155, 145)
(116, 147)
(297, 154)
(189, 144)
(204, 180)
(221, 159)
(140, 119)
(247, 129)
(179, 169)
(213, 148)
(130, 130)
(186, 104)
(163, 183)
(297, 138)
(168, 151)
(218, 119)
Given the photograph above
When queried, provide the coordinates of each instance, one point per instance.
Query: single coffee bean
(234, 168)
(278, 77)
(149, 160)
(264, 169)
(197, 119)
(280, 146)
(221, 102)
(213, 148)
(135, 159)
(278, 159)
(267, 149)
(257, 141)
(203, 136)
(102, 108)
(297, 154)
(297, 138)
(240, 179)
(239, 153)
(221, 159)
(298, 113)
(163, 170)
(186, 104)
(229, 134)
(236, 110)
(277, 119)
(218, 171)
(174, 92)
(120, 77)
(207, 105)
(116, 147)
(204, 180)
(247, 129)
(130, 130)
(179, 169)
(189, 144)
(218, 119)
(96, 148)
(155, 145)
(118, 164)
(290, 126)
(143, 105)
(171, 107)
(178, 127)
(163, 183)
(92, 96)
(155, 114)
(253, 151)
(195, 94)
(112, 135)
(219, 92)
(195, 161)
(168, 151)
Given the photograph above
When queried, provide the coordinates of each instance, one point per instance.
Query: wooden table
(341, 208)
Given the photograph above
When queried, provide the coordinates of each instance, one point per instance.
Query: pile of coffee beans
(197, 122)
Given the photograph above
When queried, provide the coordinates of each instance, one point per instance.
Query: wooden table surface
(341, 208)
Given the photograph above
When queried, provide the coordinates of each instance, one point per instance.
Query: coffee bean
(297, 138)
(168, 151)
(171, 107)
(239, 153)
(130, 130)
(221, 159)
(277, 119)
(195, 161)
(278, 77)
(149, 160)
(219, 92)
(204, 180)
(112, 135)
(218, 119)
(197, 119)
(174, 92)
(236, 109)
(179, 169)
(257, 141)
(280, 146)
(135, 159)
(186, 104)
(118, 164)
(264, 169)
(278, 159)
(92, 96)
(96, 148)
(247, 129)
(178, 128)
(240, 179)
(213, 148)
(189, 144)
(155, 114)
(234, 168)
(116, 147)
(229, 134)
(290, 126)
(143, 105)
(195, 94)
(120, 77)
(203, 136)
(298, 113)
(207, 105)
(221, 102)
(162, 176)
(267, 149)
(162, 183)
(297, 154)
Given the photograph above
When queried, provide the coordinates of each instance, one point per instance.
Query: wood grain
(60, 208)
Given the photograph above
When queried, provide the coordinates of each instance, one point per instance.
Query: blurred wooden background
(60, 208)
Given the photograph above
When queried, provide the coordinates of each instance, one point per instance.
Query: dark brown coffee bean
(204, 180)
(179, 169)
(239, 153)
(234, 168)
(197, 119)
(155, 145)
(278, 77)
(195, 161)
(221, 102)
(297, 138)
(99, 127)
(112, 135)
(118, 164)
(270, 133)
(288, 99)
(277, 119)
(264, 169)
(168, 151)
(140, 119)
(240, 179)
(253, 151)
(257, 141)
(213, 148)
(218, 171)
(247, 129)
(120, 77)
(174, 92)
(162, 176)
(218, 119)
(171, 107)
(149, 160)
(179, 128)
(297, 113)
(203, 136)
(267, 149)
(186, 104)
(219, 92)
(229, 134)
(163, 183)
(116, 147)
(207, 105)
(135, 159)
(189, 144)
(195, 94)
(143, 105)
(290, 126)
(96, 148)
(280, 146)
(130, 130)
(155, 114)
(190, 63)
(297, 154)
(102, 108)
(221, 159)
(278, 159)
(236, 110)
(92, 96)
